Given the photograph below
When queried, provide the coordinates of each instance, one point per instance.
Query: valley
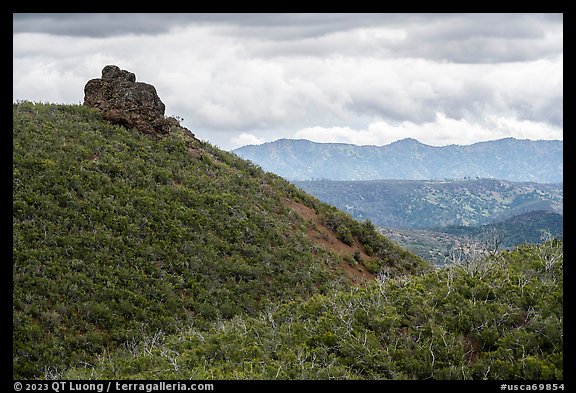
(432, 217)
(437, 244)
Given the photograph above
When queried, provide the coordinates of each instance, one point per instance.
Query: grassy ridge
(117, 235)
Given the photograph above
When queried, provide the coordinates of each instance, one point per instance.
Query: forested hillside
(118, 235)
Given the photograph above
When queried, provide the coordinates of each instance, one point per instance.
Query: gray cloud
(460, 38)
(287, 25)
(465, 38)
(237, 77)
(486, 38)
(273, 25)
(96, 24)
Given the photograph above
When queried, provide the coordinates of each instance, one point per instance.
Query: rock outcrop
(126, 102)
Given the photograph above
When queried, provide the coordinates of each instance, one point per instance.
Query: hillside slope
(118, 235)
(507, 159)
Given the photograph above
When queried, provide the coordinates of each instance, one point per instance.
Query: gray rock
(126, 102)
(112, 72)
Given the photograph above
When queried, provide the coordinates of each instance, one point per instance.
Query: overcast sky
(367, 79)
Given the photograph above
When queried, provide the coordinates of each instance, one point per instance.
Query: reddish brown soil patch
(327, 239)
(471, 346)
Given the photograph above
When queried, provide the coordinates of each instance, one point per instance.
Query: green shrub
(405, 327)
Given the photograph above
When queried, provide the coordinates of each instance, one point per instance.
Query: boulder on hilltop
(125, 102)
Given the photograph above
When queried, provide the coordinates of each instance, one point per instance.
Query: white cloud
(245, 139)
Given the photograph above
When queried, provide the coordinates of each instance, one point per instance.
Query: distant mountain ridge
(506, 159)
(419, 204)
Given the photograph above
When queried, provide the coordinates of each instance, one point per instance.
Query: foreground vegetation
(118, 236)
(497, 318)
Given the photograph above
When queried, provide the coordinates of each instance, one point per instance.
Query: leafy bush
(502, 321)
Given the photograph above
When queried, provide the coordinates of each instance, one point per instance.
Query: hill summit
(119, 235)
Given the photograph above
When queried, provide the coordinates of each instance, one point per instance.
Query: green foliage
(136, 257)
(501, 319)
(118, 235)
